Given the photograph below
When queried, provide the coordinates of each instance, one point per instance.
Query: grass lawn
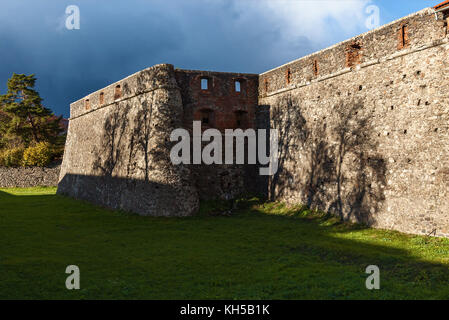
(260, 252)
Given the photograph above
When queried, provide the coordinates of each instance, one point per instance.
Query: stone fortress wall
(364, 127)
(117, 149)
(363, 132)
(118, 145)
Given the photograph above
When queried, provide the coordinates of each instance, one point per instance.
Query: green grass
(260, 252)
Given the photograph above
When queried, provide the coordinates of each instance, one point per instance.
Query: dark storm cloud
(118, 38)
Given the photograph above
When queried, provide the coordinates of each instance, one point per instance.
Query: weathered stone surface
(118, 154)
(29, 177)
(371, 143)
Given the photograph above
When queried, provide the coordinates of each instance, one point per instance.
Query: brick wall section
(354, 54)
(224, 107)
(220, 98)
(403, 37)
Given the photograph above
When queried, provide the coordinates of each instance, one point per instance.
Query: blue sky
(118, 38)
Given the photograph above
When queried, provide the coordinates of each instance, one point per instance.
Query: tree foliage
(24, 121)
(39, 155)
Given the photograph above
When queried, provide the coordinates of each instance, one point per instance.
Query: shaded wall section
(220, 100)
(365, 133)
(118, 147)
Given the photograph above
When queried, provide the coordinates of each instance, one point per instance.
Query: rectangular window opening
(403, 31)
(315, 67)
(206, 117)
(118, 92)
(353, 55)
(403, 41)
(288, 76)
(237, 86)
(204, 84)
(241, 119)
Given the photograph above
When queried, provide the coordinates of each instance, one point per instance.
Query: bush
(38, 155)
(12, 157)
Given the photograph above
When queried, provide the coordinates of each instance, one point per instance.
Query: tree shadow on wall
(330, 163)
(287, 118)
(124, 161)
(360, 169)
(140, 140)
(113, 142)
(124, 138)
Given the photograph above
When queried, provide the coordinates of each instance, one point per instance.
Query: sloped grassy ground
(262, 251)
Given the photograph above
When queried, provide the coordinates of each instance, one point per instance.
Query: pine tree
(22, 114)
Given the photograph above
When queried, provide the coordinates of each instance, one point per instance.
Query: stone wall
(367, 136)
(421, 30)
(117, 149)
(118, 143)
(29, 177)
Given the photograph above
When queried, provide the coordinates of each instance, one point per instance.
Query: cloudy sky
(118, 38)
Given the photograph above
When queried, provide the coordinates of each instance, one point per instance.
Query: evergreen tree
(23, 116)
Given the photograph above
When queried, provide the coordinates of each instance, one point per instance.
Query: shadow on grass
(261, 251)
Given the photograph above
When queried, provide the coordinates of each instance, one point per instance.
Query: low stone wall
(29, 177)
